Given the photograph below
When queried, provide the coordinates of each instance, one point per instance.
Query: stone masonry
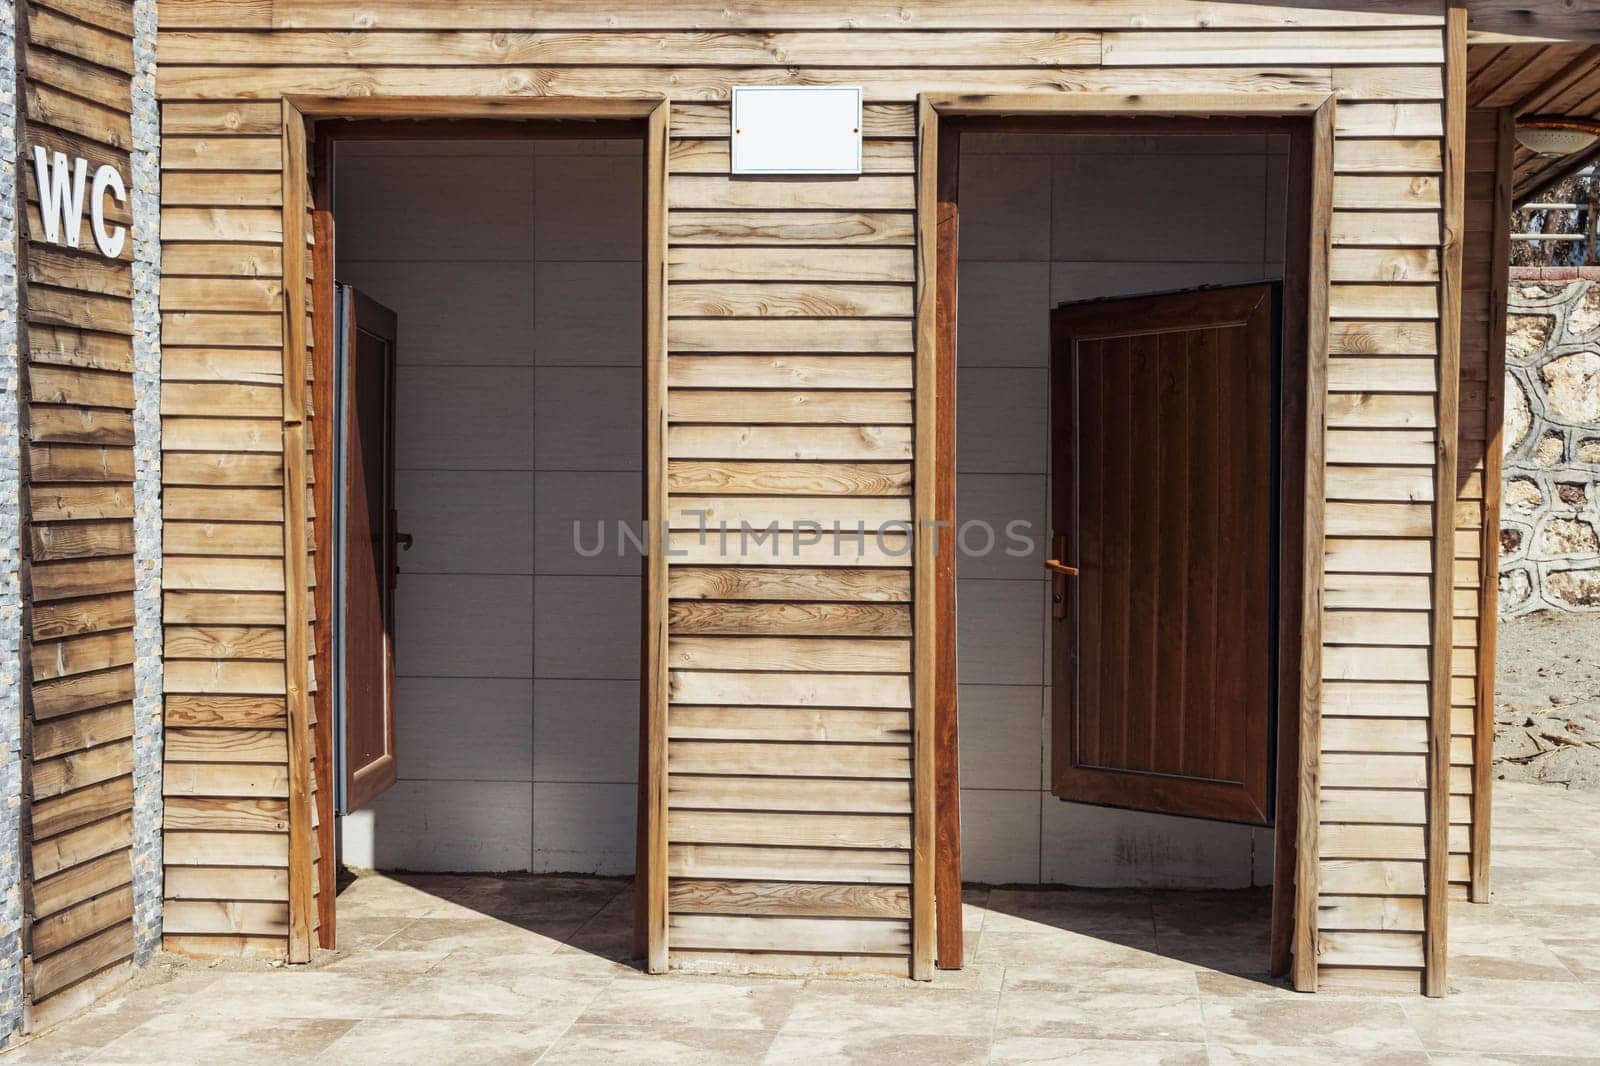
(10, 549)
(147, 740)
(1550, 516)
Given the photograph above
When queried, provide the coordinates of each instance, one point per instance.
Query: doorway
(1056, 211)
(510, 256)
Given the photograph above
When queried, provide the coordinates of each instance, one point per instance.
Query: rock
(1526, 334)
(1522, 495)
(1549, 451)
(1585, 314)
(1515, 587)
(1572, 495)
(1589, 450)
(1572, 386)
(1519, 416)
(1569, 536)
(1579, 588)
(1510, 541)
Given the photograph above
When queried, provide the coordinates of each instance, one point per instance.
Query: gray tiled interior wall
(514, 269)
(1047, 219)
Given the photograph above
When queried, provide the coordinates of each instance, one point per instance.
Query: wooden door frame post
(296, 615)
(936, 878)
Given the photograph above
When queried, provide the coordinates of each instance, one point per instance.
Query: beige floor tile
(877, 1049)
(1569, 994)
(490, 936)
(667, 1000)
(237, 1039)
(1049, 1051)
(298, 994)
(611, 1045)
(439, 1042)
(1288, 1055)
(840, 1008)
(1448, 1027)
(1170, 1016)
(548, 1000)
(1353, 1024)
(1165, 981)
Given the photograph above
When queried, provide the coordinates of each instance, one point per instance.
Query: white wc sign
(61, 184)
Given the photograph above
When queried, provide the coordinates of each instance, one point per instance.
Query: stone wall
(10, 549)
(147, 739)
(1550, 517)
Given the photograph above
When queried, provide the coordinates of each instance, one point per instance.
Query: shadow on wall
(1550, 517)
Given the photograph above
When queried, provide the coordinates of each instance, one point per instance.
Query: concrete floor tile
(486, 935)
(297, 993)
(614, 1045)
(237, 1040)
(667, 1000)
(1165, 1017)
(1166, 981)
(1048, 1051)
(1351, 1025)
(840, 1008)
(877, 1049)
(1448, 1027)
(437, 1041)
(548, 1000)
(1284, 1055)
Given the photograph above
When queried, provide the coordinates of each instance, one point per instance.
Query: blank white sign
(791, 130)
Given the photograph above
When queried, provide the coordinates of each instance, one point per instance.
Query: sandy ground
(1547, 703)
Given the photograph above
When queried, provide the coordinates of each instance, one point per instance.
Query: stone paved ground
(482, 971)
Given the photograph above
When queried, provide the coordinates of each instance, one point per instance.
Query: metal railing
(1560, 230)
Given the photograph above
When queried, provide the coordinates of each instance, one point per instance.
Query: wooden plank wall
(79, 469)
(790, 366)
(1483, 311)
(226, 772)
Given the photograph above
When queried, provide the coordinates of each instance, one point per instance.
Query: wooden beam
(1309, 788)
(324, 420)
(1533, 21)
(1436, 887)
(1489, 530)
(466, 107)
(296, 650)
(1093, 103)
(650, 876)
(924, 606)
(1292, 522)
(947, 749)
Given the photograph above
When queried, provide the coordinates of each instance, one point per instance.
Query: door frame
(1308, 119)
(308, 251)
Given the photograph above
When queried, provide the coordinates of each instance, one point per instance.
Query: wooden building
(1296, 637)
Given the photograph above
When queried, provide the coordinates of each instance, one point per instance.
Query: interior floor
(521, 969)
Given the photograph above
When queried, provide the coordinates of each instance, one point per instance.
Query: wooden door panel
(1164, 418)
(369, 550)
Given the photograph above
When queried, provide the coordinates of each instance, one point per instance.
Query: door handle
(1056, 566)
(404, 541)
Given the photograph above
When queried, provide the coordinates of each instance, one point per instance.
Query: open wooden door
(368, 549)
(1164, 422)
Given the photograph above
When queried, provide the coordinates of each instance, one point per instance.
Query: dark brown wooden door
(370, 540)
(1164, 414)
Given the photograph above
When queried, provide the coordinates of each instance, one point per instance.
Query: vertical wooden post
(1489, 532)
(323, 421)
(924, 609)
(1434, 947)
(1309, 786)
(296, 651)
(947, 748)
(650, 874)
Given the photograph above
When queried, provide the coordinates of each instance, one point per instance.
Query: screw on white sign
(61, 200)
